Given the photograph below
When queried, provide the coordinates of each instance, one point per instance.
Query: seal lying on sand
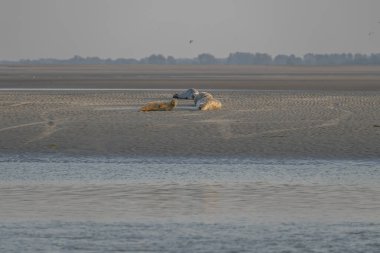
(200, 96)
(187, 94)
(207, 103)
(159, 106)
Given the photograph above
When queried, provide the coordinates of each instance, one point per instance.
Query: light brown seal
(159, 106)
(206, 104)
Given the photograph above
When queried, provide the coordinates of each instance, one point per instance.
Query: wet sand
(189, 76)
(267, 111)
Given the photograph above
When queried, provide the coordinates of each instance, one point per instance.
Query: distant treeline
(238, 58)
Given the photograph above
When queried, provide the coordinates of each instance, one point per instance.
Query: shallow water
(87, 204)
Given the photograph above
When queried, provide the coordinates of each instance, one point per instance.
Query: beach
(294, 123)
(290, 163)
(266, 111)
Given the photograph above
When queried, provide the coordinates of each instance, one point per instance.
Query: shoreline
(204, 77)
(215, 159)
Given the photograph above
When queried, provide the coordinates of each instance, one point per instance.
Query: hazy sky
(138, 28)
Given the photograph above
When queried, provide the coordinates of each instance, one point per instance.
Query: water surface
(87, 204)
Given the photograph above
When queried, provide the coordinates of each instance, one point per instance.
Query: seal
(200, 96)
(207, 104)
(159, 106)
(187, 94)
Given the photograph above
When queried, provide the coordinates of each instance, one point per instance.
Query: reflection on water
(230, 204)
(60, 236)
(216, 202)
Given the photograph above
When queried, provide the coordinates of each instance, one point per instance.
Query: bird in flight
(370, 35)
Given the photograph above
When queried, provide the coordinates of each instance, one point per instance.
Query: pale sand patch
(50, 127)
(187, 108)
(22, 125)
(20, 104)
(251, 123)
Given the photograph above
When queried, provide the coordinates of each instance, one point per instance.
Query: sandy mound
(327, 124)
